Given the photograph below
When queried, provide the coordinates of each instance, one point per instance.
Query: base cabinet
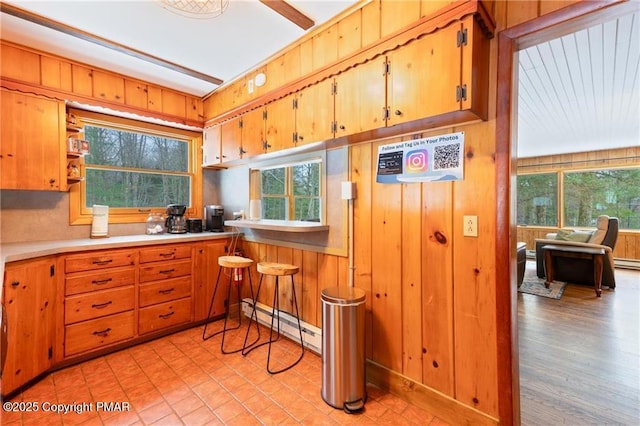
(29, 297)
(74, 306)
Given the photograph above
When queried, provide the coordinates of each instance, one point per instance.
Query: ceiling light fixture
(197, 9)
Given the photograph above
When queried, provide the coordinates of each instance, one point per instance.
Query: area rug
(535, 285)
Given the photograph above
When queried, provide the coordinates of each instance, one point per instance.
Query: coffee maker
(214, 218)
(176, 223)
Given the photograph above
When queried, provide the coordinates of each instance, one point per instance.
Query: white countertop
(11, 252)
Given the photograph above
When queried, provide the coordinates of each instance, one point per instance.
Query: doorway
(511, 41)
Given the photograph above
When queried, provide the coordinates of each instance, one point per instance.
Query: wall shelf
(278, 225)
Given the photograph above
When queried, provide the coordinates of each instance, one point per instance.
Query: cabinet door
(280, 124)
(314, 113)
(205, 273)
(417, 87)
(253, 132)
(32, 153)
(231, 137)
(211, 146)
(30, 300)
(360, 98)
(475, 69)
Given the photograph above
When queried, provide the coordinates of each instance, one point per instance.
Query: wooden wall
(432, 310)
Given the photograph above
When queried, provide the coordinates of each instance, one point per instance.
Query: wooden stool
(234, 265)
(277, 270)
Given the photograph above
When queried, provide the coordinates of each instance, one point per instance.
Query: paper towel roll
(100, 221)
(255, 210)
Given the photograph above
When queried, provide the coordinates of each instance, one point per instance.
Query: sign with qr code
(436, 158)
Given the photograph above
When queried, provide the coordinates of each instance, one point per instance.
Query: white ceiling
(246, 34)
(581, 92)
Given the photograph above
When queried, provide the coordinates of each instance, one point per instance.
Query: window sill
(278, 225)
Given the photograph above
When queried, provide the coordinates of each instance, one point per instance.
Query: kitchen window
(135, 168)
(291, 191)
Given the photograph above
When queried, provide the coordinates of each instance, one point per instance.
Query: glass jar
(155, 224)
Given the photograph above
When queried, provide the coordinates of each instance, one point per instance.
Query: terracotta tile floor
(180, 379)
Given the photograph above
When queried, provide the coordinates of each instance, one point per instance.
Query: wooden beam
(289, 12)
(74, 32)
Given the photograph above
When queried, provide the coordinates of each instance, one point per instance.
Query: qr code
(446, 156)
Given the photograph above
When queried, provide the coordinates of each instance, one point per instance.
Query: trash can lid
(342, 295)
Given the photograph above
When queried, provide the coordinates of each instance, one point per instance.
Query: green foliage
(587, 195)
(129, 170)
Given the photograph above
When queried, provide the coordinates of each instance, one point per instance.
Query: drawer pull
(102, 262)
(15, 283)
(167, 291)
(166, 254)
(167, 271)
(101, 305)
(165, 316)
(100, 282)
(102, 333)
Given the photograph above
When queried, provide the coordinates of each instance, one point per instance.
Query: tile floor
(181, 379)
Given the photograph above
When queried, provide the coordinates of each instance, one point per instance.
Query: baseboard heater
(311, 335)
(627, 264)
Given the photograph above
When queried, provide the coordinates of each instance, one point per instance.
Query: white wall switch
(348, 190)
(470, 226)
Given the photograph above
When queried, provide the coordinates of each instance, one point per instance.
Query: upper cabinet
(417, 86)
(314, 113)
(360, 98)
(32, 154)
(280, 122)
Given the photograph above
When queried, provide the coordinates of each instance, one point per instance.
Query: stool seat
(279, 269)
(234, 262)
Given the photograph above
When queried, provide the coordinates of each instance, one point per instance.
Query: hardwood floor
(580, 355)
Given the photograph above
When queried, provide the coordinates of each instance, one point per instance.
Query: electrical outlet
(470, 226)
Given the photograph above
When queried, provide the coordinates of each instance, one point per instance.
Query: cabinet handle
(165, 316)
(166, 254)
(102, 262)
(166, 291)
(101, 305)
(398, 112)
(100, 282)
(342, 127)
(52, 181)
(102, 333)
(167, 271)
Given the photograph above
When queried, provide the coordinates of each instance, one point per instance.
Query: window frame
(561, 222)
(80, 214)
(255, 180)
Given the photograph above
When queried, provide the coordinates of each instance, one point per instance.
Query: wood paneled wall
(628, 245)
(432, 314)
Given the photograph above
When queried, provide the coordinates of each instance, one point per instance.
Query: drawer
(165, 253)
(97, 333)
(164, 270)
(102, 280)
(164, 291)
(99, 260)
(163, 315)
(98, 304)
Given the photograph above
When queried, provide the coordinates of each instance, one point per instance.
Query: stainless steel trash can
(343, 356)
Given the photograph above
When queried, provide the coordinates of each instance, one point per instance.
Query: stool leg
(295, 304)
(215, 290)
(256, 345)
(253, 317)
(224, 328)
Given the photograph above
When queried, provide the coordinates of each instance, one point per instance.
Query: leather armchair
(580, 271)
